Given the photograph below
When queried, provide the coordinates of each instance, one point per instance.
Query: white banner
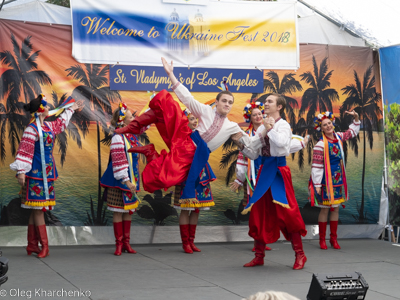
(222, 34)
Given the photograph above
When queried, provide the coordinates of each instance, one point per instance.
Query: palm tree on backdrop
(22, 79)
(318, 97)
(363, 98)
(71, 131)
(97, 97)
(288, 85)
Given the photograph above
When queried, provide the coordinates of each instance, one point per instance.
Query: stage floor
(163, 271)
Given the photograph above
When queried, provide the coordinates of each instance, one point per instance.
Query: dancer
(189, 151)
(190, 210)
(328, 174)
(253, 114)
(273, 204)
(35, 154)
(121, 180)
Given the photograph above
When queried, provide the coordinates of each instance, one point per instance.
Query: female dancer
(34, 155)
(328, 175)
(121, 180)
(190, 209)
(254, 114)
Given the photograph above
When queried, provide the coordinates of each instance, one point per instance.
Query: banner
(133, 78)
(82, 151)
(390, 70)
(222, 34)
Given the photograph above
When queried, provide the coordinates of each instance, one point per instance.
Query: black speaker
(341, 286)
(3, 269)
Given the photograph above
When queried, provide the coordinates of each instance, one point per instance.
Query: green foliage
(59, 2)
(392, 120)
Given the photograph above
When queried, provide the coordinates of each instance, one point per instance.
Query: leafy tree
(318, 97)
(363, 98)
(392, 130)
(59, 2)
(97, 97)
(22, 79)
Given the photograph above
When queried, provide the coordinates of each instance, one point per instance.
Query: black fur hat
(34, 105)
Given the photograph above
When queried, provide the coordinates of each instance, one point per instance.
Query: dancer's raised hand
(169, 68)
(353, 113)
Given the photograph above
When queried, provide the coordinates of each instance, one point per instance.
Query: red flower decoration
(335, 150)
(48, 169)
(48, 139)
(129, 195)
(51, 189)
(36, 189)
(337, 176)
(207, 191)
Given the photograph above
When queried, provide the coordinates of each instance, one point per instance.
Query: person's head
(253, 113)
(192, 119)
(327, 126)
(325, 122)
(224, 102)
(38, 106)
(122, 116)
(275, 104)
(271, 295)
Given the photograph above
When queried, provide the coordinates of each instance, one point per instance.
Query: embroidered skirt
(115, 200)
(204, 199)
(33, 195)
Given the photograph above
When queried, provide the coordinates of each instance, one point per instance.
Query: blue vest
(48, 141)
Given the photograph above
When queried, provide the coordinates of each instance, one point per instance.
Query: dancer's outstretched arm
(196, 108)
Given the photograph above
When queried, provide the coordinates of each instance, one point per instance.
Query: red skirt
(172, 167)
(267, 218)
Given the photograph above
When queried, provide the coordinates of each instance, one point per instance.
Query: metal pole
(385, 173)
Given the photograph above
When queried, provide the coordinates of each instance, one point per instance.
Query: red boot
(266, 248)
(260, 254)
(185, 238)
(333, 239)
(322, 234)
(126, 225)
(118, 233)
(297, 246)
(138, 123)
(192, 233)
(33, 242)
(42, 234)
(149, 151)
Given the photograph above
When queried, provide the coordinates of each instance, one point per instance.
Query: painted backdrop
(36, 58)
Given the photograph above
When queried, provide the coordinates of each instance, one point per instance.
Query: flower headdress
(248, 109)
(325, 115)
(122, 115)
(43, 104)
(187, 112)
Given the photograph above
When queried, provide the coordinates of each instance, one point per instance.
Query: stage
(163, 271)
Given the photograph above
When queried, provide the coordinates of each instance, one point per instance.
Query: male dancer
(273, 204)
(188, 152)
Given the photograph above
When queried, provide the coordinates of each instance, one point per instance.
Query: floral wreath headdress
(248, 109)
(325, 115)
(122, 115)
(187, 112)
(40, 110)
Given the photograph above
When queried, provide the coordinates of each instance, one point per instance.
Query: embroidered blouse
(317, 167)
(25, 152)
(213, 128)
(118, 157)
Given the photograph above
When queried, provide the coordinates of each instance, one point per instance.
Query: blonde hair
(271, 295)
